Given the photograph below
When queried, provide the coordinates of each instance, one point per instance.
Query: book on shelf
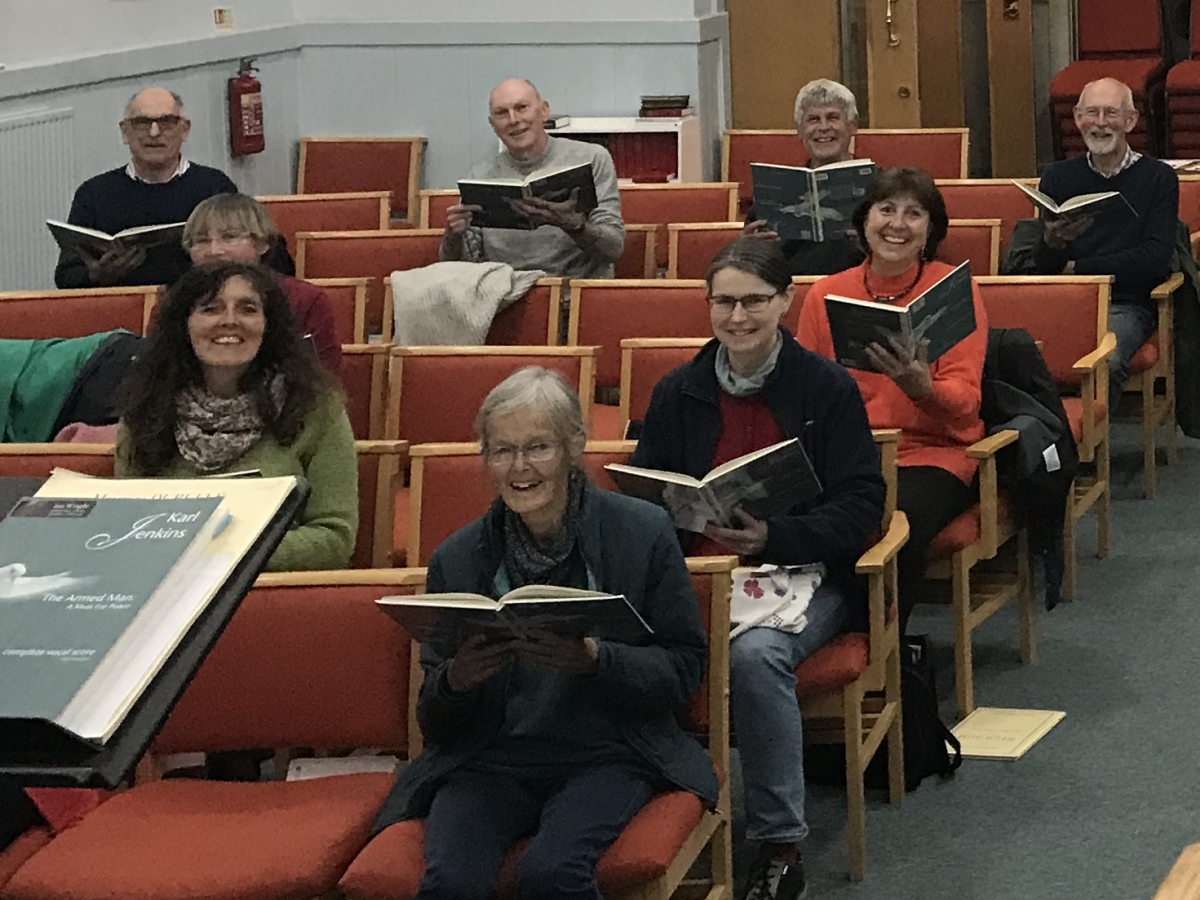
(1103, 203)
(768, 482)
(671, 112)
(994, 733)
(665, 101)
(553, 121)
(805, 204)
(102, 581)
(96, 243)
(497, 195)
(447, 619)
(943, 315)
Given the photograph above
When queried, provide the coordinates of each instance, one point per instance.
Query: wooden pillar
(775, 47)
(893, 85)
(1010, 88)
(940, 57)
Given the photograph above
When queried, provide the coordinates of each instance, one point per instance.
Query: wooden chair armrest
(886, 548)
(1088, 363)
(886, 435)
(1168, 287)
(1183, 881)
(991, 444)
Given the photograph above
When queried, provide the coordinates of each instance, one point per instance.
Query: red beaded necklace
(891, 298)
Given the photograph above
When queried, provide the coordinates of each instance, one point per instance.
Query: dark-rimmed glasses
(751, 303)
(143, 124)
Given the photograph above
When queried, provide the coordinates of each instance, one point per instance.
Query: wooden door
(775, 47)
(939, 52)
(893, 82)
(1010, 88)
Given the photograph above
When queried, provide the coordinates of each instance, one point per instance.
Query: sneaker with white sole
(776, 879)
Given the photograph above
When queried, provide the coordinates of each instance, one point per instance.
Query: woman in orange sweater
(901, 221)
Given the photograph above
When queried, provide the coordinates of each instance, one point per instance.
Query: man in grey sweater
(564, 242)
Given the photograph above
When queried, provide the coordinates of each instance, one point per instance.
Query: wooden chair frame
(304, 237)
(731, 186)
(426, 196)
(628, 346)
(415, 160)
(587, 373)
(393, 458)
(1158, 410)
(994, 252)
(384, 199)
(1094, 447)
(650, 258)
(673, 229)
(965, 132)
(864, 712)
(974, 596)
(379, 384)
(1183, 881)
(360, 286)
(418, 453)
(582, 284)
(150, 296)
(554, 283)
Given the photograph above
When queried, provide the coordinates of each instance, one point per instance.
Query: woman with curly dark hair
(226, 383)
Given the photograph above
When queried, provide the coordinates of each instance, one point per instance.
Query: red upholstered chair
(604, 311)
(692, 245)
(435, 392)
(660, 846)
(644, 362)
(360, 254)
(800, 286)
(434, 204)
(661, 204)
(532, 320)
(348, 297)
(639, 258)
(364, 379)
(308, 660)
(942, 152)
(40, 460)
(1068, 315)
(1152, 367)
(1183, 101)
(974, 241)
(21, 850)
(988, 198)
(849, 690)
(360, 211)
(380, 464)
(1189, 201)
(1119, 39)
(353, 164)
(449, 488)
(35, 315)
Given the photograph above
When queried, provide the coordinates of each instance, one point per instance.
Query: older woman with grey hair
(564, 739)
(826, 115)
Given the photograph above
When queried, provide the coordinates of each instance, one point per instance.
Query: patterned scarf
(530, 561)
(212, 432)
(745, 385)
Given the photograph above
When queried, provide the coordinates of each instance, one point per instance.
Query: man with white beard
(1135, 249)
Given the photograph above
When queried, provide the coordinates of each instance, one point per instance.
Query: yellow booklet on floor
(991, 733)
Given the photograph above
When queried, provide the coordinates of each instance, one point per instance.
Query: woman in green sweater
(225, 384)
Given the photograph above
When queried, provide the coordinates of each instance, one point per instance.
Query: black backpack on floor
(925, 736)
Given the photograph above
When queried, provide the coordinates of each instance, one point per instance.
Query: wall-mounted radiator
(37, 180)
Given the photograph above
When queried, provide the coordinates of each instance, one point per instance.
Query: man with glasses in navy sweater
(158, 186)
(1137, 248)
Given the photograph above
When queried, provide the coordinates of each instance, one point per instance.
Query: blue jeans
(476, 817)
(766, 716)
(1132, 323)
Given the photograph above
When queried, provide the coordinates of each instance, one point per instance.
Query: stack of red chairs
(1119, 39)
(1183, 99)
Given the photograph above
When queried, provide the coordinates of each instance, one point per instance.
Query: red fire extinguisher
(245, 111)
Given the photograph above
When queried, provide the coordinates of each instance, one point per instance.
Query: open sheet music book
(496, 195)
(810, 204)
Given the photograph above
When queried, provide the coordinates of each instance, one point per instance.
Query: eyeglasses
(227, 238)
(1101, 113)
(143, 124)
(504, 457)
(751, 303)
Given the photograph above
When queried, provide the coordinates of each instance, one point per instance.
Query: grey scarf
(745, 385)
(529, 561)
(212, 432)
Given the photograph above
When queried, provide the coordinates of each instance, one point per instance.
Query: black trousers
(17, 812)
(931, 498)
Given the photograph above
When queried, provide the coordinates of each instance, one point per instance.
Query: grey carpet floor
(1101, 807)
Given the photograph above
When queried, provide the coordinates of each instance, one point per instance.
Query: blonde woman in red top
(901, 221)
